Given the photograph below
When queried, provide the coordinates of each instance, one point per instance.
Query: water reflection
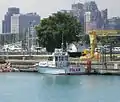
(59, 80)
(76, 88)
(59, 88)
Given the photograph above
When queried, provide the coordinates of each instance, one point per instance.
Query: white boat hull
(50, 70)
(58, 71)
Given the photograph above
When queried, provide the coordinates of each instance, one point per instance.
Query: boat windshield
(50, 58)
(61, 58)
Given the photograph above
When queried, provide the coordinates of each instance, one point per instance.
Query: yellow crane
(93, 42)
(91, 55)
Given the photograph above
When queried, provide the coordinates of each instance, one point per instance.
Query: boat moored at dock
(58, 63)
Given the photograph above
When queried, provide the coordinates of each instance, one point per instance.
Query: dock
(113, 67)
(28, 70)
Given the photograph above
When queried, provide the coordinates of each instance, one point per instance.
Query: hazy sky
(46, 7)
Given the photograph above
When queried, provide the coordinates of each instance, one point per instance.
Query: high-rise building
(87, 20)
(6, 23)
(78, 12)
(21, 22)
(104, 16)
(97, 21)
(89, 23)
(78, 6)
(90, 6)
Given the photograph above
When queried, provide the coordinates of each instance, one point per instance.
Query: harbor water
(34, 87)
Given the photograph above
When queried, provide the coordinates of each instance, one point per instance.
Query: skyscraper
(104, 16)
(78, 12)
(89, 23)
(21, 22)
(90, 6)
(81, 11)
(6, 23)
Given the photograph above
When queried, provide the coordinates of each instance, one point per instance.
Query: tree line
(58, 28)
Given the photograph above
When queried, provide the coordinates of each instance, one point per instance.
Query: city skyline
(45, 8)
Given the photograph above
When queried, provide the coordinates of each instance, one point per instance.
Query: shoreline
(82, 74)
(28, 66)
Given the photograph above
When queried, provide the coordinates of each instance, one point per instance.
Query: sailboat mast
(62, 41)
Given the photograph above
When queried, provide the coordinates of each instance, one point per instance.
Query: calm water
(29, 87)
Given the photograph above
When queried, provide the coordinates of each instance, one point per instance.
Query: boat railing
(51, 63)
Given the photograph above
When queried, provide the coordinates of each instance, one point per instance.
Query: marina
(54, 52)
(89, 61)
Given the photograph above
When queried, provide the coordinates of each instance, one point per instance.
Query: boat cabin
(59, 58)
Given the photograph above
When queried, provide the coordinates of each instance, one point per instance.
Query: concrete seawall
(29, 63)
(111, 67)
(26, 61)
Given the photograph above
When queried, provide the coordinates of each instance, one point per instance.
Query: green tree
(57, 28)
